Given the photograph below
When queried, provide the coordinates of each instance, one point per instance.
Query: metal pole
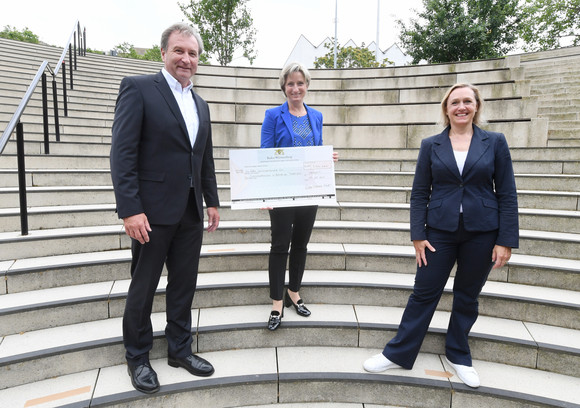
(21, 178)
(335, 29)
(64, 89)
(45, 114)
(378, 24)
(70, 64)
(55, 107)
(85, 42)
(75, 53)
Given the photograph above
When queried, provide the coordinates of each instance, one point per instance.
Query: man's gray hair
(181, 28)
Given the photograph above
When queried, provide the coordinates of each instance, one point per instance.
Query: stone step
(66, 195)
(99, 174)
(57, 196)
(564, 124)
(558, 116)
(525, 159)
(294, 374)
(45, 272)
(81, 215)
(563, 134)
(55, 307)
(111, 237)
(240, 134)
(95, 302)
(564, 142)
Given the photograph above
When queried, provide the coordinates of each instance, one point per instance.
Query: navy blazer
(153, 165)
(277, 127)
(486, 189)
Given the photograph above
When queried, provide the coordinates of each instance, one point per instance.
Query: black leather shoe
(300, 308)
(194, 364)
(144, 378)
(275, 320)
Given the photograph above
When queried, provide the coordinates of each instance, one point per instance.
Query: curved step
(301, 375)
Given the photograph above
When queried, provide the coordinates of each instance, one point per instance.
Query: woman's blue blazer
(486, 189)
(277, 127)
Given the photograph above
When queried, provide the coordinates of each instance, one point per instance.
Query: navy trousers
(291, 228)
(472, 251)
(178, 247)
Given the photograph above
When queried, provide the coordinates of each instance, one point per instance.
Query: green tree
(153, 54)
(127, 50)
(458, 30)
(349, 57)
(544, 23)
(23, 35)
(225, 27)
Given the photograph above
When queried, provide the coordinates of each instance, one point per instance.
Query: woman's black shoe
(275, 319)
(300, 308)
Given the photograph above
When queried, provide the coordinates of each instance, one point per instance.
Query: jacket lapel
(285, 112)
(477, 148)
(167, 94)
(443, 149)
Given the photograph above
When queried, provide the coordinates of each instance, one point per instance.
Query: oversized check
(282, 177)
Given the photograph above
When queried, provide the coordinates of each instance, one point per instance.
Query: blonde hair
(290, 69)
(477, 118)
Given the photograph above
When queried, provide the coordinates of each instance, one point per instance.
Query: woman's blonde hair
(477, 118)
(290, 69)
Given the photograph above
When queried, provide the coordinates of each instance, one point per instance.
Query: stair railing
(16, 124)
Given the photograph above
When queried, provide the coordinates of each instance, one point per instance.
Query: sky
(279, 23)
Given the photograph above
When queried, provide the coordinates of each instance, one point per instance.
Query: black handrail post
(21, 178)
(75, 53)
(65, 102)
(85, 42)
(55, 106)
(70, 57)
(80, 38)
(45, 114)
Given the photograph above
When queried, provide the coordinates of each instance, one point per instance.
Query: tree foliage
(225, 27)
(126, 50)
(153, 54)
(23, 35)
(349, 57)
(545, 23)
(458, 30)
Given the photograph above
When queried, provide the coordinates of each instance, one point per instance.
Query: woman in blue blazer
(291, 124)
(464, 210)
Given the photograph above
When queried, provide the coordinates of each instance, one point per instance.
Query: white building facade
(305, 52)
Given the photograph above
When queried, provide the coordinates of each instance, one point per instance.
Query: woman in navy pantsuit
(463, 210)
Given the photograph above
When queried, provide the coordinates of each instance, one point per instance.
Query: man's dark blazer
(153, 165)
(277, 127)
(486, 189)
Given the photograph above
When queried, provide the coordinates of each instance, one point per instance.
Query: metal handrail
(25, 99)
(15, 123)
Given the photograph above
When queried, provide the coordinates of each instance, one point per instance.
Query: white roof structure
(305, 52)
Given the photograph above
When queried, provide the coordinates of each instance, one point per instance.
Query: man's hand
(213, 219)
(137, 227)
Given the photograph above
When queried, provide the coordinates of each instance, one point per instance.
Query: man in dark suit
(162, 168)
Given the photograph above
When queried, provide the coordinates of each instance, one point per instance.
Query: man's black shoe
(194, 364)
(144, 378)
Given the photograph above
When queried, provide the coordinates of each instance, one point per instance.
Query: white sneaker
(378, 363)
(466, 374)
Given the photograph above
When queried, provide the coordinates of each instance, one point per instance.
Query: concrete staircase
(65, 283)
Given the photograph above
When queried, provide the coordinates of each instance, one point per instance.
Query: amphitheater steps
(46, 308)
(360, 286)
(303, 374)
(102, 237)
